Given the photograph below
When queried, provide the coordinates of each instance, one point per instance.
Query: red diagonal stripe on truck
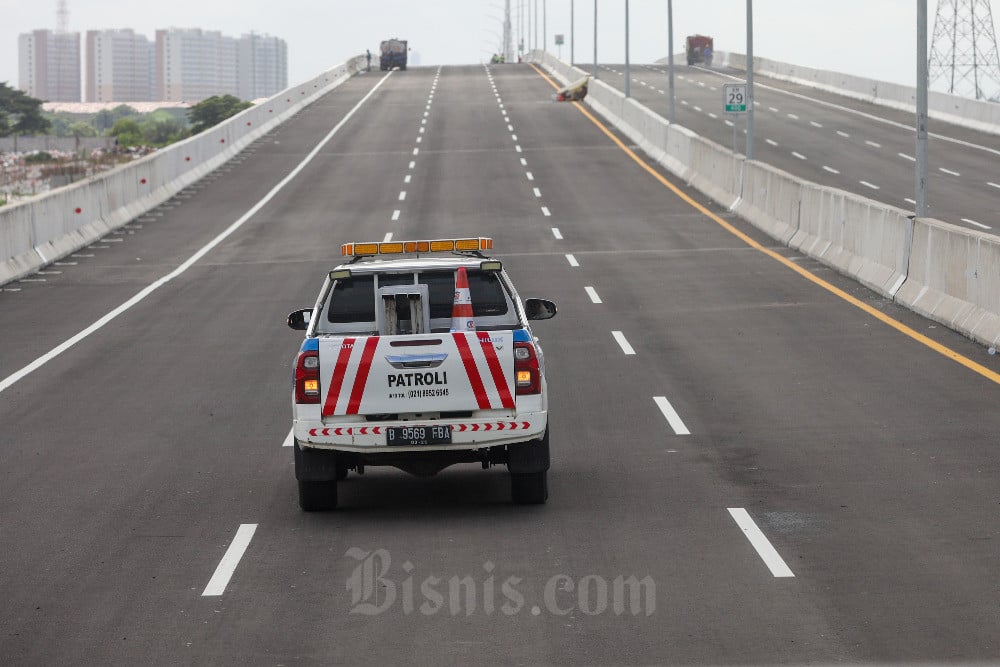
(362, 377)
(462, 343)
(330, 405)
(506, 400)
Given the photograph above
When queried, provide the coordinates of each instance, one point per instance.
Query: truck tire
(317, 496)
(529, 488)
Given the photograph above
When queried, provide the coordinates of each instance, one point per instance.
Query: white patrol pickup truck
(399, 369)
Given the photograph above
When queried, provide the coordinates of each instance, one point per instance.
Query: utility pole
(628, 73)
(749, 153)
(671, 116)
(595, 39)
(572, 32)
(922, 83)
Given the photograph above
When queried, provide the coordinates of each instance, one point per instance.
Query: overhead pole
(545, 28)
(671, 116)
(749, 152)
(572, 32)
(922, 84)
(628, 72)
(595, 39)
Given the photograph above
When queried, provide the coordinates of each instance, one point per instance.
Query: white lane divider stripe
(530, 176)
(592, 293)
(193, 259)
(622, 343)
(388, 237)
(572, 260)
(772, 109)
(948, 171)
(416, 151)
(227, 566)
(771, 142)
(907, 157)
(402, 195)
(830, 169)
(874, 144)
(406, 179)
(869, 185)
(815, 124)
(545, 211)
(413, 163)
(556, 233)
(395, 215)
(977, 224)
(763, 546)
(793, 116)
(993, 185)
(517, 148)
(674, 419)
(538, 193)
(290, 438)
(799, 155)
(524, 163)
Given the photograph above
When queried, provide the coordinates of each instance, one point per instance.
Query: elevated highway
(710, 388)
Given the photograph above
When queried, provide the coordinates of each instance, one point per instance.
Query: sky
(871, 38)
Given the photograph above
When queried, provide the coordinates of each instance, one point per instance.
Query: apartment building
(263, 66)
(119, 66)
(49, 65)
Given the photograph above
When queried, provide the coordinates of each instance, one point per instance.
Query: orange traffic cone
(461, 312)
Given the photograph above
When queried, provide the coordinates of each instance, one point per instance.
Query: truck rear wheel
(529, 488)
(317, 496)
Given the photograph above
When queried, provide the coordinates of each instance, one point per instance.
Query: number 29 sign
(735, 97)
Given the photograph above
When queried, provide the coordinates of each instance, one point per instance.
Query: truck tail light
(527, 377)
(307, 377)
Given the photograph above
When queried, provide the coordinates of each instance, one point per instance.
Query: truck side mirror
(299, 319)
(539, 309)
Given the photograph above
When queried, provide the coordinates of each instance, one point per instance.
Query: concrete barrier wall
(44, 229)
(955, 279)
(974, 114)
(947, 273)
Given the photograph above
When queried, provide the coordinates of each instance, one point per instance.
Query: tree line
(22, 115)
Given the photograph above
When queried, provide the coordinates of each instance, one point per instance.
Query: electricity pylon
(964, 49)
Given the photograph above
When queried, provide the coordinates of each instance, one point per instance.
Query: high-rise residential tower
(49, 65)
(119, 66)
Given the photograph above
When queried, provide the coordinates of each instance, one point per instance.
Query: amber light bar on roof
(477, 244)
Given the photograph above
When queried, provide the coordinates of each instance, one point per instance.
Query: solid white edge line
(674, 419)
(622, 343)
(290, 438)
(764, 548)
(193, 259)
(224, 572)
(592, 293)
(572, 260)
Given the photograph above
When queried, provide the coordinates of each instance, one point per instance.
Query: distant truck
(393, 54)
(699, 49)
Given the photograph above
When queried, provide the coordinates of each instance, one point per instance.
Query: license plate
(406, 436)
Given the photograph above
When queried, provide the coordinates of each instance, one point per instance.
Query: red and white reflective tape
(461, 428)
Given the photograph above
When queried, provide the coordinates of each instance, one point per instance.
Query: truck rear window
(352, 301)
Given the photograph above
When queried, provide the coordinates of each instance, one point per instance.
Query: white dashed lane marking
(556, 233)
(869, 185)
(763, 546)
(907, 157)
(227, 566)
(874, 144)
(977, 224)
(572, 260)
(545, 211)
(622, 343)
(799, 155)
(674, 419)
(771, 142)
(395, 215)
(387, 237)
(830, 169)
(530, 176)
(592, 293)
(948, 171)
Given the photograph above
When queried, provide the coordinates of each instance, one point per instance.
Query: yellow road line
(877, 314)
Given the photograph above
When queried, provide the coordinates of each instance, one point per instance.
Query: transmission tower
(62, 17)
(964, 49)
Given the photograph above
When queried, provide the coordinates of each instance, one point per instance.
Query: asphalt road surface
(748, 466)
(833, 140)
